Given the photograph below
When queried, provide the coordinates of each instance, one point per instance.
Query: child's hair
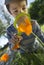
(8, 1)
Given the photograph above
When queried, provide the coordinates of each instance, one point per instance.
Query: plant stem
(38, 39)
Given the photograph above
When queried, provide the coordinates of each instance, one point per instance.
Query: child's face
(18, 7)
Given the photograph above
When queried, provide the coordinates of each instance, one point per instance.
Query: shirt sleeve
(10, 30)
(38, 31)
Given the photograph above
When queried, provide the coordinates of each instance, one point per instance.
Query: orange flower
(4, 57)
(16, 46)
(26, 28)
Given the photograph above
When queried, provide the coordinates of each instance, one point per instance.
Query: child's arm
(13, 37)
(38, 31)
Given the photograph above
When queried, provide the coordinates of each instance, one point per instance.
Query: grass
(42, 28)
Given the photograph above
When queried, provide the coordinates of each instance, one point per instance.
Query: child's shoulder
(11, 28)
(34, 23)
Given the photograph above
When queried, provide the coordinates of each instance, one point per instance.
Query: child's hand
(15, 39)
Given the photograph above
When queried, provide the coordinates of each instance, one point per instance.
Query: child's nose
(21, 11)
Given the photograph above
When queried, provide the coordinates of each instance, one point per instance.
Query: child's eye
(16, 11)
(23, 8)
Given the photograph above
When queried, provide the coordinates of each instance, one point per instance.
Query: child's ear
(8, 8)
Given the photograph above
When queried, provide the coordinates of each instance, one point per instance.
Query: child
(28, 43)
(15, 7)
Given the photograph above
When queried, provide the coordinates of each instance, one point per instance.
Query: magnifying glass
(23, 24)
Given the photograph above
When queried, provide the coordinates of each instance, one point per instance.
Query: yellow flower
(17, 45)
(4, 57)
(26, 28)
(23, 24)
